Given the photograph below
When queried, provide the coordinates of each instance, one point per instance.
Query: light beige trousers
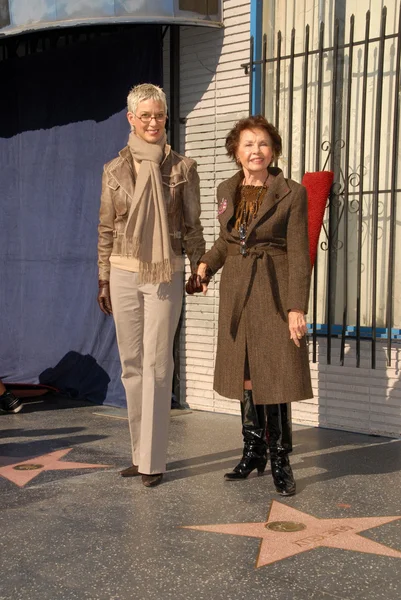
(146, 317)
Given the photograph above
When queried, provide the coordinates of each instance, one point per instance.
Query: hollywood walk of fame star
(289, 531)
(23, 471)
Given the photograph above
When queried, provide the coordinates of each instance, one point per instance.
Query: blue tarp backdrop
(62, 117)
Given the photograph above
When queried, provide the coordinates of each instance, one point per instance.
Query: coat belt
(264, 253)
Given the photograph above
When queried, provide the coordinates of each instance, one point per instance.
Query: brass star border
(289, 532)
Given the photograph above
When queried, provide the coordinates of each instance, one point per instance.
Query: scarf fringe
(149, 272)
(155, 272)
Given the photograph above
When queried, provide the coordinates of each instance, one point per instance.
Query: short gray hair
(145, 91)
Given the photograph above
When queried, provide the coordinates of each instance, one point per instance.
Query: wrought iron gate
(348, 123)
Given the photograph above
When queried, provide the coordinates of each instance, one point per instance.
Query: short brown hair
(254, 122)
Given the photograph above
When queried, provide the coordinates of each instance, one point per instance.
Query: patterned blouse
(247, 203)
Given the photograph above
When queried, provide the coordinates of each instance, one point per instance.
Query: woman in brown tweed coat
(262, 355)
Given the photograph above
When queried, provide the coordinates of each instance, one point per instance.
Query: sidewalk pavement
(72, 528)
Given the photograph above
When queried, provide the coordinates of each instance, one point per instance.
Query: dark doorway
(62, 113)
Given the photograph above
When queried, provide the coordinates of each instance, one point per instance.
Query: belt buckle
(243, 249)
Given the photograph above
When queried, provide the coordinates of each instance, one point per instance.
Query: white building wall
(357, 399)
(361, 399)
(285, 16)
(214, 94)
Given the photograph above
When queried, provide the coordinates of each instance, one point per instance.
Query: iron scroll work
(360, 226)
(18, 17)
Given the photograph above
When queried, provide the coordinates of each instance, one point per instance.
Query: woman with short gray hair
(149, 214)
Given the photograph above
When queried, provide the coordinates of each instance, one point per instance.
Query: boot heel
(261, 468)
(245, 467)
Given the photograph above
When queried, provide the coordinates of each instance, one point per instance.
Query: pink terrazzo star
(23, 471)
(280, 541)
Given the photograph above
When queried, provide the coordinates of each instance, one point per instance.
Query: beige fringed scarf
(146, 236)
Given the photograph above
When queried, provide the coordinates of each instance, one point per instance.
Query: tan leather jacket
(182, 196)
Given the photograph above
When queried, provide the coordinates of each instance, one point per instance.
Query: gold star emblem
(289, 531)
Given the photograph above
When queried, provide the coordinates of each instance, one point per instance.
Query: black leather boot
(254, 433)
(279, 440)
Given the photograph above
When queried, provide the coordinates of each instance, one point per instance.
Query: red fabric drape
(318, 186)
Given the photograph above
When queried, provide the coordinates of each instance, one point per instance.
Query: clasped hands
(199, 281)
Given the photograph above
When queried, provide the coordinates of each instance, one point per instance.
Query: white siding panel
(354, 399)
(214, 95)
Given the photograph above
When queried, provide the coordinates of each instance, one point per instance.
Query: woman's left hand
(297, 326)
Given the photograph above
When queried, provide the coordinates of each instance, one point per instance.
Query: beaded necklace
(254, 210)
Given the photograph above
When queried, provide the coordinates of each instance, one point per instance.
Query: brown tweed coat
(257, 291)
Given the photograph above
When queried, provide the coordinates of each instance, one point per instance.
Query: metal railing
(348, 123)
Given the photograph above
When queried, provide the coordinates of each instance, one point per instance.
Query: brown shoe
(152, 480)
(131, 471)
